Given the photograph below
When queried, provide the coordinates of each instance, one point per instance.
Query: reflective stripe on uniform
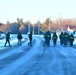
(66, 35)
(54, 37)
(71, 37)
(48, 36)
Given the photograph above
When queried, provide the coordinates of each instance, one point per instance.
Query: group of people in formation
(65, 38)
(19, 37)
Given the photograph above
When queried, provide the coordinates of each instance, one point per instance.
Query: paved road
(38, 60)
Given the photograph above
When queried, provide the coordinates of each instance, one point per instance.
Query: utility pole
(38, 27)
(60, 22)
(29, 27)
(49, 23)
(33, 28)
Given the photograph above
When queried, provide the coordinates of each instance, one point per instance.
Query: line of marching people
(65, 39)
(47, 37)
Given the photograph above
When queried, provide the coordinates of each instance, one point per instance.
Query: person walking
(54, 37)
(19, 37)
(7, 39)
(66, 39)
(30, 38)
(61, 37)
(71, 39)
(47, 37)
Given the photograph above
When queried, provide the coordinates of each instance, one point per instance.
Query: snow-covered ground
(36, 59)
(13, 40)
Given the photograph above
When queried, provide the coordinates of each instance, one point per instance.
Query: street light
(49, 23)
(60, 22)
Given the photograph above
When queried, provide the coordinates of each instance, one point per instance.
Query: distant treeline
(37, 28)
(14, 28)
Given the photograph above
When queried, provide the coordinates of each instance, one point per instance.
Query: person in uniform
(47, 37)
(66, 38)
(71, 39)
(54, 37)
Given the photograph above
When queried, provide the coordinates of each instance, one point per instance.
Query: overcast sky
(35, 10)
